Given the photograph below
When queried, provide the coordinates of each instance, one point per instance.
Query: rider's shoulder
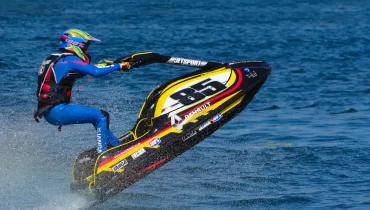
(67, 57)
(71, 57)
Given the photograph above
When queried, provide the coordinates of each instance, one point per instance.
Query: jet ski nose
(256, 71)
(264, 70)
(254, 75)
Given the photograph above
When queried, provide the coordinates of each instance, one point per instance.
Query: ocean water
(302, 143)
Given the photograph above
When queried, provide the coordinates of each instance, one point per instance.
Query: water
(303, 142)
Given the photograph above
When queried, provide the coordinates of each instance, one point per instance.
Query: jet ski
(175, 116)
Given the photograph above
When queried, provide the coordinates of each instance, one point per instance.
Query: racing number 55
(198, 91)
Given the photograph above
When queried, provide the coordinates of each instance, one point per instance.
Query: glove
(125, 66)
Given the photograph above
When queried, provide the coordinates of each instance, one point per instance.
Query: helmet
(77, 41)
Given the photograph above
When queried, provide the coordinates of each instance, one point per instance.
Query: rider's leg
(65, 114)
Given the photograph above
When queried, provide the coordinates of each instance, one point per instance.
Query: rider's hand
(125, 66)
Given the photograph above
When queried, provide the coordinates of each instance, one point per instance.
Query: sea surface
(302, 143)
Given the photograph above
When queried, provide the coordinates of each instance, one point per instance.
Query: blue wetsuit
(65, 113)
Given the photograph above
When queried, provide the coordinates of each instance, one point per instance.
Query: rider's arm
(92, 70)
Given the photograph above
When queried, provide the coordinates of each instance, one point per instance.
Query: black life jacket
(49, 92)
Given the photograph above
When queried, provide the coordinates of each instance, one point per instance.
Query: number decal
(187, 96)
(212, 87)
(198, 91)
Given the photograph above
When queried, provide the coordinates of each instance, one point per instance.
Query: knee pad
(106, 114)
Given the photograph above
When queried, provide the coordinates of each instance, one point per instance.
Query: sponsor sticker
(204, 125)
(155, 142)
(103, 65)
(247, 70)
(189, 135)
(188, 62)
(216, 118)
(70, 41)
(119, 165)
(252, 74)
(138, 153)
(199, 109)
(43, 65)
(176, 121)
(99, 140)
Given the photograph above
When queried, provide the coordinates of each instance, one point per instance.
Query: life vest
(49, 92)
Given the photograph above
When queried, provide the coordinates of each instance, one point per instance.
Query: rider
(56, 77)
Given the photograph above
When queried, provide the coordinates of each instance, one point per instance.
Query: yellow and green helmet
(77, 41)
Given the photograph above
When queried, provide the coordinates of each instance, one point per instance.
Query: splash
(65, 201)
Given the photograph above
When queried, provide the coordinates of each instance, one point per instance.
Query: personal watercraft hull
(175, 116)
